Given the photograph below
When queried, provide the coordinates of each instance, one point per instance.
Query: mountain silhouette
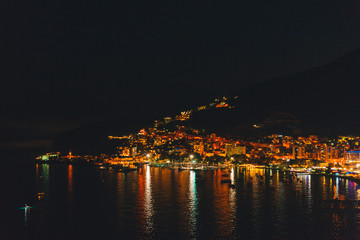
(322, 101)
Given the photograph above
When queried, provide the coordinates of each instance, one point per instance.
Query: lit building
(49, 156)
(167, 119)
(298, 152)
(232, 149)
(199, 148)
(352, 159)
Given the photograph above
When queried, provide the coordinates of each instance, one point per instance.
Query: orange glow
(70, 178)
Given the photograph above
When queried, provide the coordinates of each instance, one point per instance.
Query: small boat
(128, 168)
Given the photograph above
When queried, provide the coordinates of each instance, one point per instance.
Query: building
(352, 159)
(199, 148)
(167, 119)
(298, 152)
(233, 149)
(49, 156)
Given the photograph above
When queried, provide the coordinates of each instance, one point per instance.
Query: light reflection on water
(43, 177)
(70, 182)
(193, 202)
(232, 203)
(149, 212)
(155, 203)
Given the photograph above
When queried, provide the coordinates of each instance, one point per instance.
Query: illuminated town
(169, 143)
(177, 120)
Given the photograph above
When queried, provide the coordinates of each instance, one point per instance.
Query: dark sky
(91, 60)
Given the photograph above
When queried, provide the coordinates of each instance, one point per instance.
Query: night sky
(66, 63)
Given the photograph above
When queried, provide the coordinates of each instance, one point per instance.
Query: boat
(128, 168)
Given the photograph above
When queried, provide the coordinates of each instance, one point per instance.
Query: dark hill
(324, 100)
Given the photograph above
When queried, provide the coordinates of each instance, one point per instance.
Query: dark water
(153, 203)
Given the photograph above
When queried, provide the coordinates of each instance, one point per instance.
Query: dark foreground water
(77, 202)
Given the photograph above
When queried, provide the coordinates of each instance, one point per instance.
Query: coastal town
(171, 143)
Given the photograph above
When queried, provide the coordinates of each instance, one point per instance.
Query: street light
(192, 157)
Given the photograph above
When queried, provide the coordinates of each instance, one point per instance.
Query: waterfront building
(49, 156)
(233, 149)
(352, 159)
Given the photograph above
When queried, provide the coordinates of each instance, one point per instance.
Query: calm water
(153, 203)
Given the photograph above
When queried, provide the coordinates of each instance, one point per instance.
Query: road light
(192, 157)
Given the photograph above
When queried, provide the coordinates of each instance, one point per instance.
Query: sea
(82, 202)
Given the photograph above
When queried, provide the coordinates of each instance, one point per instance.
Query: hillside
(322, 101)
